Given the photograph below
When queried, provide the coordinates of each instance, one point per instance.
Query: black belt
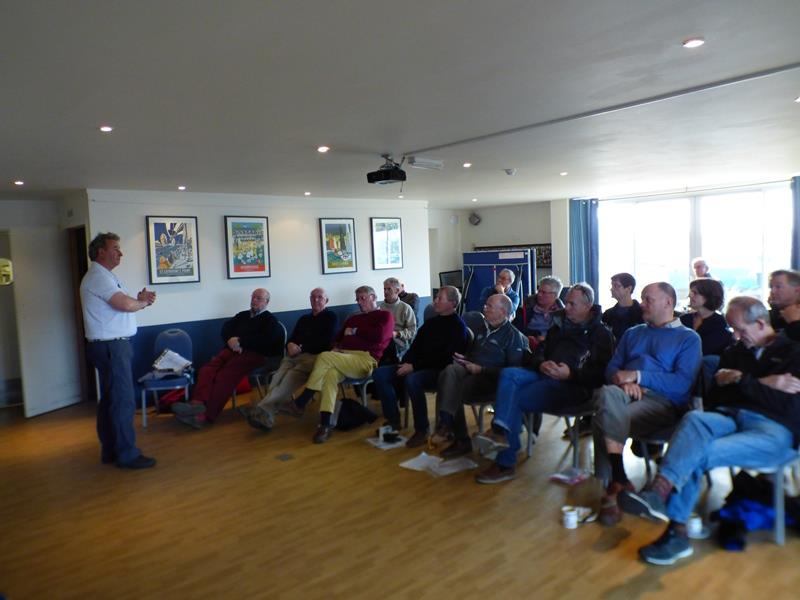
(109, 340)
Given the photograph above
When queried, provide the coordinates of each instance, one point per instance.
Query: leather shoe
(140, 462)
(322, 434)
(418, 439)
(457, 448)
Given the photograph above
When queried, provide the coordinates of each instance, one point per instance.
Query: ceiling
(236, 96)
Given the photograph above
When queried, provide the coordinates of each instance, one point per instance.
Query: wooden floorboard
(230, 512)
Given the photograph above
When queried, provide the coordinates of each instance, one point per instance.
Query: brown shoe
(291, 409)
(322, 434)
(457, 448)
(496, 474)
(418, 439)
(610, 513)
(442, 435)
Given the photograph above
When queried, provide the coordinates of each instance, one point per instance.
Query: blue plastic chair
(178, 341)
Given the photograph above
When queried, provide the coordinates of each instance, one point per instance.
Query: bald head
(319, 300)
(658, 303)
(259, 300)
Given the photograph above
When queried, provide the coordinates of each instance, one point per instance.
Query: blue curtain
(583, 242)
(796, 228)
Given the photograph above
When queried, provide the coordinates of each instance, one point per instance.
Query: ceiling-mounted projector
(420, 162)
(389, 172)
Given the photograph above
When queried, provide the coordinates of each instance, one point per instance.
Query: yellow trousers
(331, 368)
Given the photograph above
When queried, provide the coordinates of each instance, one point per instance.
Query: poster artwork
(247, 247)
(174, 249)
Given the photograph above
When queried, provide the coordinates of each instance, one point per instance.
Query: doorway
(10, 373)
(79, 264)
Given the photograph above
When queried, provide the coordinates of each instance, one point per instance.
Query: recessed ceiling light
(181, 188)
(474, 199)
(401, 196)
(19, 182)
(106, 128)
(323, 149)
(564, 173)
(693, 42)
(797, 99)
(306, 193)
(467, 165)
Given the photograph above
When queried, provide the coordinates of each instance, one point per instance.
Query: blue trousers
(415, 383)
(521, 390)
(705, 440)
(117, 405)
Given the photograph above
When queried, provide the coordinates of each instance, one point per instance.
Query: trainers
(291, 409)
(667, 549)
(140, 462)
(194, 421)
(496, 474)
(244, 411)
(442, 435)
(188, 408)
(457, 448)
(489, 442)
(647, 503)
(418, 439)
(610, 514)
(260, 419)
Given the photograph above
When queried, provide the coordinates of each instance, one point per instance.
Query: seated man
(784, 290)
(356, 351)
(409, 298)
(700, 268)
(405, 322)
(312, 334)
(751, 418)
(503, 286)
(249, 338)
(791, 314)
(626, 312)
(498, 345)
(430, 352)
(651, 376)
(539, 309)
(562, 373)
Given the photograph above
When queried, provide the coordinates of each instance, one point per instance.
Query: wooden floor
(230, 512)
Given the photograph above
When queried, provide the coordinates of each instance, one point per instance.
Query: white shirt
(102, 321)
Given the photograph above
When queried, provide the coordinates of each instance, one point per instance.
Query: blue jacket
(503, 347)
(667, 358)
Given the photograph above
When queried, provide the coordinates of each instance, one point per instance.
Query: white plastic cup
(569, 517)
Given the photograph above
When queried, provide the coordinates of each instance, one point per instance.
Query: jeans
(416, 383)
(117, 405)
(521, 390)
(384, 380)
(705, 440)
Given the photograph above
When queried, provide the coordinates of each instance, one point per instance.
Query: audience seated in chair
(356, 351)
(706, 297)
(409, 298)
(650, 378)
(405, 321)
(498, 344)
(700, 268)
(626, 312)
(751, 418)
(249, 337)
(540, 307)
(313, 333)
(562, 373)
(505, 278)
(438, 339)
(784, 291)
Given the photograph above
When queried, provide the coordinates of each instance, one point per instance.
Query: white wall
(43, 298)
(559, 231)
(9, 349)
(294, 249)
(503, 225)
(445, 230)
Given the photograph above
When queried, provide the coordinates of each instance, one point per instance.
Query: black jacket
(781, 356)
(620, 318)
(585, 349)
(713, 331)
(262, 333)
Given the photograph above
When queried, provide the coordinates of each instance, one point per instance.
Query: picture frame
(387, 243)
(338, 245)
(247, 247)
(173, 254)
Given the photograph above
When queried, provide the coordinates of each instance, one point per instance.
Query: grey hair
(392, 281)
(99, 242)
(452, 293)
(365, 289)
(510, 274)
(751, 309)
(508, 306)
(552, 281)
(585, 289)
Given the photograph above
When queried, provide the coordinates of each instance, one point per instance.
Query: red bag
(170, 398)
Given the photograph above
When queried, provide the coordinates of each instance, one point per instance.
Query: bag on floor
(353, 414)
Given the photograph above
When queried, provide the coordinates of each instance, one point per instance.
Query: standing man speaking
(109, 323)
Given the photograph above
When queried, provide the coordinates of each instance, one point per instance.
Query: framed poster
(338, 245)
(387, 243)
(172, 252)
(247, 246)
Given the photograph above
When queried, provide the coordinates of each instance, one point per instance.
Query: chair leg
(481, 410)
(144, 409)
(574, 440)
(364, 395)
(780, 519)
(233, 399)
(646, 456)
(529, 421)
(407, 410)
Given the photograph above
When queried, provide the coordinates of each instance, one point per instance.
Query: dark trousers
(117, 405)
(416, 382)
(456, 387)
(218, 378)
